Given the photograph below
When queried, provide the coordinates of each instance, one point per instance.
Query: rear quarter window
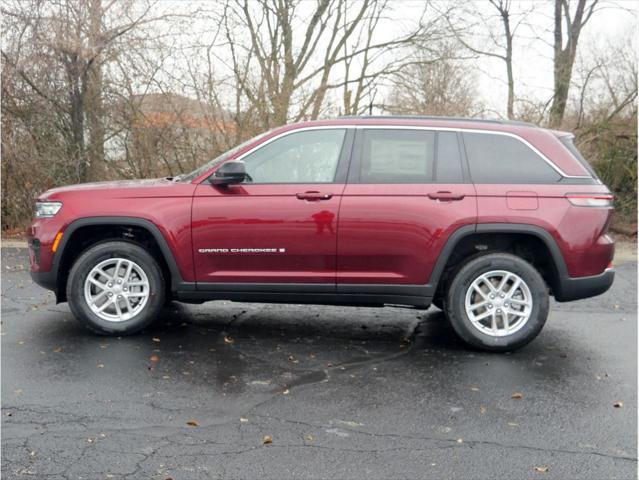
(495, 158)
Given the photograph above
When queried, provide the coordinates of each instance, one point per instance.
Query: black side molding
(176, 283)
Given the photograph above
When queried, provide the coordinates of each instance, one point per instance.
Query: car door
(280, 225)
(407, 191)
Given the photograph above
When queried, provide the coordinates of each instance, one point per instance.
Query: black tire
(104, 251)
(461, 282)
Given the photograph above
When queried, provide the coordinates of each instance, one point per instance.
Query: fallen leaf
(267, 440)
(513, 424)
(286, 392)
(57, 349)
(228, 340)
(615, 306)
(309, 438)
(243, 420)
(517, 395)
(482, 409)
(155, 339)
(193, 423)
(90, 440)
(542, 469)
(154, 358)
(618, 404)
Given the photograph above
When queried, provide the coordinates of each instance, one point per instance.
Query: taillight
(590, 199)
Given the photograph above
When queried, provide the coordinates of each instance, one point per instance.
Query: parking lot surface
(232, 390)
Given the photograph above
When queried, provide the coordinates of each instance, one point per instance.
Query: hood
(117, 185)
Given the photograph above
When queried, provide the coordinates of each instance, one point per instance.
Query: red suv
(484, 219)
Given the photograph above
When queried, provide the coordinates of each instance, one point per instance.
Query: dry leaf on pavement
(267, 440)
(542, 469)
(517, 395)
(193, 423)
(618, 404)
(228, 340)
(154, 358)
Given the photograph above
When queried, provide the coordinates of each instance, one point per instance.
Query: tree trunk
(93, 102)
(565, 56)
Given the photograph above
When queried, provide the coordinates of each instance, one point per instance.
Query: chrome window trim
(416, 127)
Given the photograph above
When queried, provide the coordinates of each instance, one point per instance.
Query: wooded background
(107, 89)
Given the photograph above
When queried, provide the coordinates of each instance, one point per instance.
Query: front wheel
(116, 288)
(497, 302)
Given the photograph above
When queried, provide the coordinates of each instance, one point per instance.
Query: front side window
(502, 159)
(309, 156)
(410, 156)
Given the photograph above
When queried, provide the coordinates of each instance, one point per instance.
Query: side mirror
(229, 173)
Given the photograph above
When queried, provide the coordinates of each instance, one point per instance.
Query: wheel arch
(67, 253)
(554, 278)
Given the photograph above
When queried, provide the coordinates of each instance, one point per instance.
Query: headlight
(47, 209)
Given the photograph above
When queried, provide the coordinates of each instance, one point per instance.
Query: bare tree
(496, 35)
(285, 69)
(442, 87)
(565, 50)
(59, 50)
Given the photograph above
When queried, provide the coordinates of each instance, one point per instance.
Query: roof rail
(433, 117)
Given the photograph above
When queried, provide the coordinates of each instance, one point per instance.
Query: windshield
(189, 177)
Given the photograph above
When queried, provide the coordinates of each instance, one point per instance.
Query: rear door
(280, 226)
(407, 191)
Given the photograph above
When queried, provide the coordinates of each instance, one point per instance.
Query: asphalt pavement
(232, 390)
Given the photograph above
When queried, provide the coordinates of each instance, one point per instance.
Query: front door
(280, 225)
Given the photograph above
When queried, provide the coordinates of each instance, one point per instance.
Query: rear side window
(568, 143)
(503, 159)
(409, 156)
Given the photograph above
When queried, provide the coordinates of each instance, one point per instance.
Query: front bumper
(45, 279)
(584, 287)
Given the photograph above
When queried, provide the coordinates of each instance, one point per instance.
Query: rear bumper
(572, 288)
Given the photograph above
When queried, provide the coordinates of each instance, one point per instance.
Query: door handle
(314, 196)
(446, 196)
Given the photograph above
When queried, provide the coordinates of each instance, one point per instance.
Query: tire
(504, 331)
(141, 296)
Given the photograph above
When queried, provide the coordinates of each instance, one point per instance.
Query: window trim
(354, 176)
(343, 158)
(534, 150)
(351, 148)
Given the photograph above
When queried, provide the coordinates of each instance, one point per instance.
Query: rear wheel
(497, 302)
(115, 288)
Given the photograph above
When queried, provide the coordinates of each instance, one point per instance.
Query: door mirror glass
(229, 173)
